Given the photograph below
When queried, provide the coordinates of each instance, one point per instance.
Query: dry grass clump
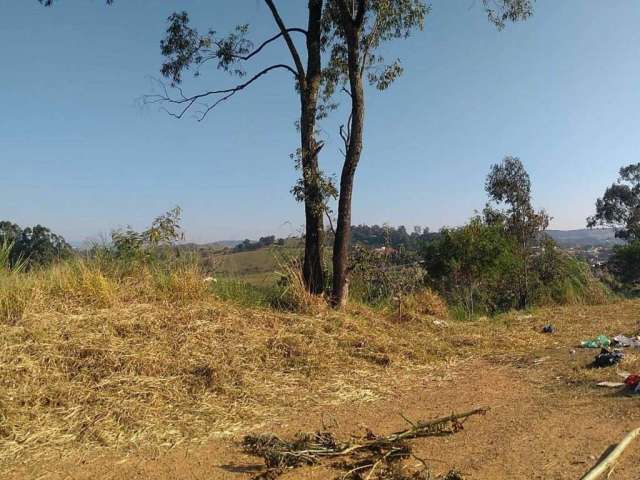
(16, 297)
(424, 302)
(78, 282)
(295, 296)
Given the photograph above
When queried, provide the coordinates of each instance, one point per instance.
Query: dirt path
(541, 426)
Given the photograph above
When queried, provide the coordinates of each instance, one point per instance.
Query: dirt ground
(542, 425)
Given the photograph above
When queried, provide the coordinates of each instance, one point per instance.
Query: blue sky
(78, 154)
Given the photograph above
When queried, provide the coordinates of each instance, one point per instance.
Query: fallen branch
(370, 452)
(609, 460)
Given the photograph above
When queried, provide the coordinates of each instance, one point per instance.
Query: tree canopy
(35, 245)
(619, 207)
(508, 184)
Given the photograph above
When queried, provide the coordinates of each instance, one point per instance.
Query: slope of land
(164, 389)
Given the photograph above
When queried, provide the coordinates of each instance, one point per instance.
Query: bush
(383, 275)
(624, 264)
(481, 269)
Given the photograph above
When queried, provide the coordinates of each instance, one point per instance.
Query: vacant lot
(162, 389)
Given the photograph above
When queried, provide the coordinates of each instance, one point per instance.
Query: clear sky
(561, 91)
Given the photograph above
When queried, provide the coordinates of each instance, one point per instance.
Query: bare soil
(539, 427)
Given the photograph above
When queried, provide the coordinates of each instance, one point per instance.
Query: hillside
(597, 237)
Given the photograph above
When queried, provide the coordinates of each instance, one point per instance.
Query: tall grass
(96, 283)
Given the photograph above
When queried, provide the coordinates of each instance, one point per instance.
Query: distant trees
(385, 235)
(247, 245)
(32, 245)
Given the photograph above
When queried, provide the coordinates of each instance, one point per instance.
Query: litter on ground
(607, 358)
(624, 341)
(601, 341)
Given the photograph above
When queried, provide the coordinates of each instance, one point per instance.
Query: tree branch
(227, 93)
(268, 41)
(285, 33)
(367, 47)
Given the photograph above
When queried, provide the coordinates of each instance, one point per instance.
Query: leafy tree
(479, 268)
(185, 48)
(508, 184)
(473, 266)
(356, 31)
(624, 264)
(619, 207)
(33, 245)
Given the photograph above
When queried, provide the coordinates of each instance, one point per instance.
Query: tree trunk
(313, 272)
(352, 157)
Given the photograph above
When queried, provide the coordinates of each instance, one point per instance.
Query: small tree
(619, 207)
(508, 184)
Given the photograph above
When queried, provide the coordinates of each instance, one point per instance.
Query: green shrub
(481, 269)
(382, 276)
(624, 264)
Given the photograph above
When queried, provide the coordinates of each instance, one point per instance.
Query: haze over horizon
(560, 91)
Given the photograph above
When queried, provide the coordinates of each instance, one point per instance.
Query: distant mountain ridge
(600, 237)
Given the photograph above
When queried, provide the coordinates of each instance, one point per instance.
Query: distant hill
(219, 245)
(602, 237)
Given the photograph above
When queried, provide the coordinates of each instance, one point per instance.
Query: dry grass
(424, 302)
(95, 359)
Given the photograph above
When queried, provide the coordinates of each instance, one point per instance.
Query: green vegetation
(30, 246)
(479, 269)
(619, 208)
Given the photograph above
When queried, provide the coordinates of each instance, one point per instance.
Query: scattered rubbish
(439, 323)
(608, 462)
(633, 383)
(548, 329)
(624, 341)
(601, 341)
(607, 358)
(611, 384)
(538, 361)
(371, 456)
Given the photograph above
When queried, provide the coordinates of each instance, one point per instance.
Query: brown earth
(537, 428)
(548, 420)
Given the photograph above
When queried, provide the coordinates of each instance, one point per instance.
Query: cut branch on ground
(370, 454)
